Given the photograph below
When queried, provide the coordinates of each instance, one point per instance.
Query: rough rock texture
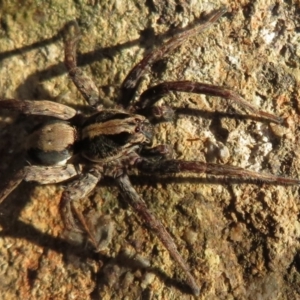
(240, 239)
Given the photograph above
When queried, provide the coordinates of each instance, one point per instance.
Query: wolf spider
(111, 141)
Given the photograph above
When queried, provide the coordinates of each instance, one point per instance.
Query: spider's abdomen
(51, 143)
(111, 134)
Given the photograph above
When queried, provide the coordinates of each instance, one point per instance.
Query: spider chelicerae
(113, 139)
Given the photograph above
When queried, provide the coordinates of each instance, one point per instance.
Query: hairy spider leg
(141, 210)
(83, 82)
(131, 81)
(41, 175)
(73, 193)
(12, 184)
(182, 166)
(149, 97)
(41, 107)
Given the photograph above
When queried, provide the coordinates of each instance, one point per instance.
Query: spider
(113, 139)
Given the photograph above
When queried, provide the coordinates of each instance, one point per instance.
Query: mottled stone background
(240, 239)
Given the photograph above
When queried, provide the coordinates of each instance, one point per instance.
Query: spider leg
(131, 81)
(181, 166)
(75, 191)
(84, 83)
(42, 108)
(153, 94)
(156, 226)
(40, 174)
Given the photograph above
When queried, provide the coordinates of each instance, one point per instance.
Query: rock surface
(240, 239)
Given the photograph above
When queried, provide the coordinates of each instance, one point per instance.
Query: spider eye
(137, 129)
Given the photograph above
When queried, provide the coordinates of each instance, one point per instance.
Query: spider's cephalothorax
(111, 141)
(111, 134)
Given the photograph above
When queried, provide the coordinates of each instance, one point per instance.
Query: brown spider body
(103, 137)
(110, 134)
(83, 149)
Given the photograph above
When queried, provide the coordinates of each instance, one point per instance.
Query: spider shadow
(15, 228)
(32, 89)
